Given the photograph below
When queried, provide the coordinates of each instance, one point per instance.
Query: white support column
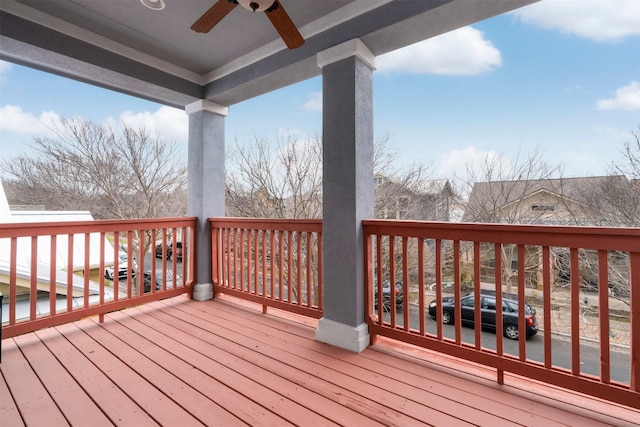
(206, 176)
(347, 136)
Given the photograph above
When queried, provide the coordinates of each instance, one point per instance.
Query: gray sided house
(585, 201)
(561, 201)
(427, 201)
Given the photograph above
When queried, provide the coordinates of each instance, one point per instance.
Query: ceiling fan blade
(214, 15)
(284, 25)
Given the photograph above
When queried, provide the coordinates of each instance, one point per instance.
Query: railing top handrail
(20, 229)
(606, 238)
(286, 224)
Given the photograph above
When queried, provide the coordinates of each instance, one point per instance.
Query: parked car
(123, 268)
(168, 279)
(488, 314)
(168, 251)
(386, 295)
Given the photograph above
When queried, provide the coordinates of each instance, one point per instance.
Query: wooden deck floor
(181, 363)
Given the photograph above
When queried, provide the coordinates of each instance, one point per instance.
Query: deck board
(260, 369)
(259, 404)
(121, 410)
(181, 362)
(8, 409)
(306, 354)
(76, 406)
(160, 406)
(34, 402)
(298, 372)
(139, 355)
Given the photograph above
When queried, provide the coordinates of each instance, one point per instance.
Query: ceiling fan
(272, 8)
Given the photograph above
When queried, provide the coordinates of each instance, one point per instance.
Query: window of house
(491, 255)
(403, 207)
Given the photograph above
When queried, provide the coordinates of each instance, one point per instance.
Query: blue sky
(562, 76)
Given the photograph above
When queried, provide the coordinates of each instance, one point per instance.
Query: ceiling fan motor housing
(256, 5)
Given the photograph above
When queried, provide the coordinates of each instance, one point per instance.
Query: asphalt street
(561, 347)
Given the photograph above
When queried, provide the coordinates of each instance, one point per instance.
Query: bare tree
(113, 174)
(500, 191)
(498, 188)
(409, 192)
(284, 180)
(614, 202)
(281, 181)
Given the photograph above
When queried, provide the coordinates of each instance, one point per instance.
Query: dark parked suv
(168, 252)
(488, 313)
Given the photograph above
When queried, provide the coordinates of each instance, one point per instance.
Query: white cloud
(596, 20)
(169, 123)
(15, 119)
(626, 98)
(314, 103)
(463, 52)
(458, 162)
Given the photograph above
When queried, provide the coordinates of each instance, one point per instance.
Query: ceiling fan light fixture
(153, 4)
(256, 5)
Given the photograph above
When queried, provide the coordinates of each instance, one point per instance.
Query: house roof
(426, 187)
(44, 247)
(489, 196)
(436, 186)
(125, 46)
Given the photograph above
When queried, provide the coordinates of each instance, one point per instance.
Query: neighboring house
(428, 201)
(564, 201)
(44, 255)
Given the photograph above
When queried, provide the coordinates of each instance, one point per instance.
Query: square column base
(348, 337)
(203, 291)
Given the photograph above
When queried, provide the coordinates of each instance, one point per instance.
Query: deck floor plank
(34, 402)
(470, 402)
(8, 409)
(179, 362)
(122, 411)
(317, 379)
(308, 405)
(316, 382)
(137, 353)
(75, 404)
(161, 408)
(302, 355)
(481, 392)
(200, 371)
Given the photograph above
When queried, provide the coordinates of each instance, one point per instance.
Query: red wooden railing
(418, 253)
(274, 262)
(54, 273)
(278, 263)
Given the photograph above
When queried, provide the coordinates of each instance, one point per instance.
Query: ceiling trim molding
(204, 105)
(340, 16)
(346, 50)
(25, 12)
